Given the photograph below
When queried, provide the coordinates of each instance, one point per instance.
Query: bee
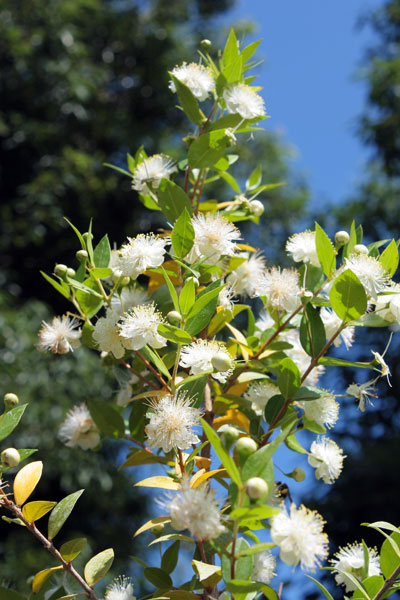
(282, 491)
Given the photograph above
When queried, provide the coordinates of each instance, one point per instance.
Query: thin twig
(153, 370)
(388, 583)
(138, 375)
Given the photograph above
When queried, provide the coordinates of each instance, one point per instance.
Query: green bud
(157, 529)
(10, 457)
(86, 236)
(10, 400)
(205, 45)
(61, 270)
(245, 446)
(298, 474)
(341, 238)
(361, 249)
(221, 362)
(82, 256)
(257, 208)
(256, 488)
(195, 281)
(71, 272)
(228, 435)
(124, 281)
(174, 317)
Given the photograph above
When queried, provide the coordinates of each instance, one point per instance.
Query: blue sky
(312, 51)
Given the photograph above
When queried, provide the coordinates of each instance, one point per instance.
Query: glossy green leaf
(187, 296)
(172, 199)
(312, 331)
(87, 336)
(390, 559)
(244, 565)
(389, 258)
(207, 149)
(273, 408)
(188, 101)
(158, 577)
(293, 444)
(372, 586)
(170, 557)
(174, 334)
(325, 251)
(182, 235)
(98, 566)
(107, 418)
(71, 549)
(203, 309)
(61, 513)
(10, 420)
(102, 253)
(156, 360)
(222, 454)
(89, 299)
(249, 50)
(289, 378)
(255, 179)
(348, 297)
(61, 287)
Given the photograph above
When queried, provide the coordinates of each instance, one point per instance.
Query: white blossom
(150, 171)
(106, 334)
(61, 336)
(128, 298)
(171, 422)
(125, 393)
(198, 357)
(79, 429)
(300, 357)
(324, 410)
(369, 271)
(120, 589)
(388, 305)
(258, 393)
(332, 323)
(138, 327)
(280, 287)
(215, 237)
(243, 279)
(243, 100)
(196, 77)
(300, 537)
(140, 253)
(350, 559)
(225, 298)
(302, 248)
(327, 458)
(264, 321)
(264, 567)
(363, 392)
(196, 509)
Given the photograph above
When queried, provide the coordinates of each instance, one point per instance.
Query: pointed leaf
(62, 287)
(312, 331)
(159, 481)
(102, 253)
(325, 251)
(389, 258)
(174, 334)
(10, 420)
(172, 199)
(98, 566)
(289, 378)
(188, 101)
(224, 457)
(61, 513)
(37, 509)
(182, 235)
(348, 297)
(26, 480)
(41, 577)
(158, 577)
(152, 523)
(71, 549)
(170, 558)
(107, 418)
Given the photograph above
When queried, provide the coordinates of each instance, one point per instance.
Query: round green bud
(298, 474)
(174, 317)
(256, 488)
(205, 45)
(361, 249)
(10, 457)
(245, 446)
(157, 529)
(124, 281)
(228, 434)
(10, 400)
(71, 272)
(341, 237)
(195, 281)
(221, 362)
(257, 208)
(82, 256)
(86, 236)
(61, 270)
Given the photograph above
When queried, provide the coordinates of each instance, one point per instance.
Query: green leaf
(273, 407)
(158, 577)
(172, 290)
(205, 298)
(244, 565)
(254, 512)
(78, 233)
(170, 557)
(90, 303)
(8, 594)
(348, 248)
(289, 378)
(230, 180)
(255, 179)
(102, 253)
(194, 387)
(71, 549)
(101, 272)
(98, 566)
(232, 61)
(172, 199)
(182, 235)
(325, 251)
(115, 168)
(174, 334)
(156, 360)
(312, 331)
(348, 297)
(293, 444)
(388, 555)
(24, 454)
(10, 419)
(372, 585)
(188, 101)
(204, 307)
(321, 587)
(249, 50)
(87, 336)
(224, 457)
(389, 258)
(62, 287)
(255, 549)
(207, 149)
(107, 418)
(187, 296)
(61, 513)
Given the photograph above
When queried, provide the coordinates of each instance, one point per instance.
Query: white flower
(114, 265)
(302, 248)
(300, 357)
(264, 321)
(264, 567)
(362, 392)
(150, 171)
(196, 509)
(106, 334)
(327, 458)
(171, 422)
(243, 278)
(225, 298)
(120, 589)
(61, 336)
(196, 77)
(324, 411)
(128, 298)
(332, 323)
(300, 537)
(280, 287)
(350, 559)
(140, 253)
(369, 271)
(243, 100)
(214, 237)
(199, 355)
(388, 305)
(138, 327)
(259, 393)
(79, 429)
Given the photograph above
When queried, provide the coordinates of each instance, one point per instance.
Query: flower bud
(61, 270)
(10, 400)
(82, 256)
(361, 249)
(86, 236)
(157, 529)
(245, 446)
(298, 474)
(174, 317)
(341, 238)
(205, 45)
(124, 281)
(256, 488)
(257, 208)
(228, 435)
(221, 362)
(195, 281)
(10, 457)
(71, 272)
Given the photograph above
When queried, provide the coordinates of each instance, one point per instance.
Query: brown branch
(208, 417)
(153, 370)
(388, 583)
(138, 375)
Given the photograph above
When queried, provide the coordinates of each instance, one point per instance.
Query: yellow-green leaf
(152, 523)
(37, 509)
(26, 480)
(41, 577)
(159, 481)
(210, 575)
(98, 566)
(172, 536)
(71, 549)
